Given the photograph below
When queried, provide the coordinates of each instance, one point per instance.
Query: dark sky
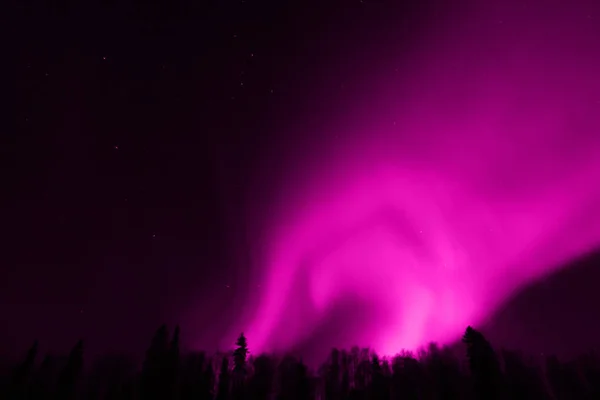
(144, 131)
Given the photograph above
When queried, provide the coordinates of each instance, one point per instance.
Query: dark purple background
(135, 151)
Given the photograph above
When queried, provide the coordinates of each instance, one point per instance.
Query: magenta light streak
(484, 178)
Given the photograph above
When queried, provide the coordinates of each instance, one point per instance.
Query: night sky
(148, 141)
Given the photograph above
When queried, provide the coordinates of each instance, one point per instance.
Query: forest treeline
(478, 372)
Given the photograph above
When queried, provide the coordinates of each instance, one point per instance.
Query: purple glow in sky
(481, 176)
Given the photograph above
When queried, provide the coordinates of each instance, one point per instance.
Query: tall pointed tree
(484, 365)
(223, 392)
(44, 378)
(68, 379)
(208, 382)
(172, 364)
(20, 380)
(522, 380)
(174, 346)
(154, 382)
(379, 386)
(240, 354)
(261, 382)
(332, 376)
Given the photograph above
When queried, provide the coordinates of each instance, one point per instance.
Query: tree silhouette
(261, 383)
(208, 382)
(345, 371)
(43, 382)
(590, 370)
(362, 377)
(434, 373)
(154, 383)
(240, 354)
(110, 377)
(303, 387)
(484, 365)
(191, 377)
(172, 365)
(332, 377)
(564, 379)
(68, 379)
(522, 381)
(405, 376)
(223, 392)
(379, 385)
(19, 383)
(294, 382)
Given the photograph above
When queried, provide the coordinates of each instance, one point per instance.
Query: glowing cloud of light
(487, 179)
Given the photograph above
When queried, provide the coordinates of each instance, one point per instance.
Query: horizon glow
(482, 179)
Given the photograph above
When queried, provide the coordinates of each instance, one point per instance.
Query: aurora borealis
(477, 181)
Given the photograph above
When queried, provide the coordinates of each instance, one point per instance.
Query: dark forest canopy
(478, 371)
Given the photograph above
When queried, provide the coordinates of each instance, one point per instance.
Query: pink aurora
(484, 180)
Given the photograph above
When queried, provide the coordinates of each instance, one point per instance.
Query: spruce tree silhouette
(303, 390)
(590, 368)
(347, 375)
(484, 366)
(362, 375)
(111, 377)
(294, 383)
(20, 382)
(68, 378)
(174, 348)
(379, 385)
(154, 383)
(332, 377)
(522, 381)
(192, 376)
(224, 385)
(564, 379)
(240, 354)
(444, 371)
(208, 381)
(286, 372)
(172, 367)
(405, 376)
(345, 371)
(261, 382)
(43, 381)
